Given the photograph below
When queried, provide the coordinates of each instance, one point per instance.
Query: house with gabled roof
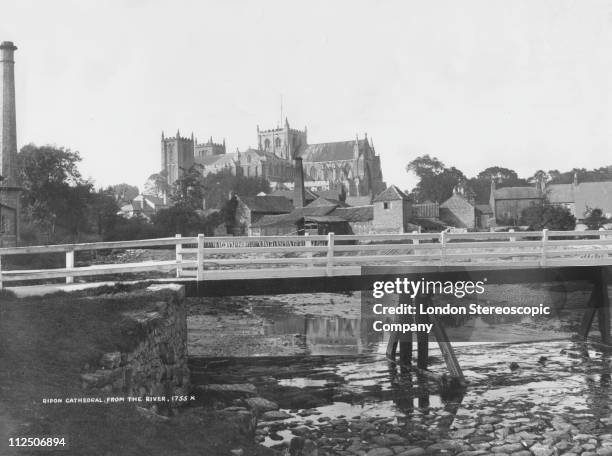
(392, 211)
(582, 197)
(508, 203)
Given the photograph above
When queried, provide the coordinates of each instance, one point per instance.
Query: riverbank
(48, 344)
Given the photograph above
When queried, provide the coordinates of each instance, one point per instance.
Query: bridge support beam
(405, 342)
(598, 304)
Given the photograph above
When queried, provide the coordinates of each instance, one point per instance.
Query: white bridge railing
(203, 258)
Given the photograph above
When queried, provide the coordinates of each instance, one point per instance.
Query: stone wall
(157, 365)
(391, 216)
(458, 212)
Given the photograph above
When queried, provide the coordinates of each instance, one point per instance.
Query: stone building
(458, 211)
(179, 153)
(9, 189)
(392, 211)
(508, 203)
(351, 167)
(581, 197)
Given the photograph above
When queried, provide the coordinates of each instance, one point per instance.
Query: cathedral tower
(284, 142)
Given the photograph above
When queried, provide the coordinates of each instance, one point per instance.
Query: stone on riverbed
(380, 452)
(244, 388)
(275, 415)
(541, 450)
(462, 433)
(416, 451)
(261, 405)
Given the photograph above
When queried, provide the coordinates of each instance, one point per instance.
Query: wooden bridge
(210, 260)
(217, 266)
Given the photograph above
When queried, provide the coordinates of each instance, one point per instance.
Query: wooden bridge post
(422, 344)
(452, 364)
(330, 253)
(603, 310)
(421, 336)
(544, 242)
(200, 268)
(308, 243)
(442, 248)
(69, 265)
(599, 303)
(178, 255)
(403, 340)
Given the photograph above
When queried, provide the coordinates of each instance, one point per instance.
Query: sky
(523, 84)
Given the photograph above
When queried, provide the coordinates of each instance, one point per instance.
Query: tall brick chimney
(299, 194)
(9, 191)
(8, 124)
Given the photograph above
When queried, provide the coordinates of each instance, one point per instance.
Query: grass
(47, 342)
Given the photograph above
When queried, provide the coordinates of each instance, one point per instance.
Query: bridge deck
(326, 259)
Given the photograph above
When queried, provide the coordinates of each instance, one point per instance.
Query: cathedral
(349, 166)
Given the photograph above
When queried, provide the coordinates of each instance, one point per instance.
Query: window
(277, 142)
(386, 205)
(267, 144)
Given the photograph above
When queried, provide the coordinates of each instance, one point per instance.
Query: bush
(550, 217)
(131, 229)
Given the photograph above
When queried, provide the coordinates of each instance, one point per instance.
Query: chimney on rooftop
(299, 194)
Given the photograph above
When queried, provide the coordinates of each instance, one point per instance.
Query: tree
(503, 177)
(595, 219)
(55, 195)
(219, 186)
(425, 165)
(189, 189)
(500, 174)
(123, 193)
(157, 185)
(436, 181)
(548, 216)
(539, 176)
(103, 208)
(178, 219)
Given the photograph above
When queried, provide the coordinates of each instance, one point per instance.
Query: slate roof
(484, 208)
(591, 195)
(517, 193)
(584, 196)
(359, 200)
(355, 214)
(324, 219)
(332, 151)
(392, 193)
(267, 204)
(560, 193)
(327, 202)
(337, 195)
(293, 217)
(310, 196)
(155, 200)
(431, 224)
(212, 159)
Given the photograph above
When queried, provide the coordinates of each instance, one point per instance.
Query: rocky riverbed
(308, 379)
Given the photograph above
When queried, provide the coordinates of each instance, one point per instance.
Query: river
(532, 387)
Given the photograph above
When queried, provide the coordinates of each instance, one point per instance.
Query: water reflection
(333, 334)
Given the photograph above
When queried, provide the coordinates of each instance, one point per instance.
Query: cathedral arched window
(313, 173)
(267, 144)
(277, 142)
